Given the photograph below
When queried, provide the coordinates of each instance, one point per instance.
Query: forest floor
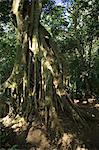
(17, 134)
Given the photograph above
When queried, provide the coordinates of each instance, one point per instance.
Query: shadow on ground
(17, 134)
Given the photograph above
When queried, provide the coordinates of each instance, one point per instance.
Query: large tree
(36, 84)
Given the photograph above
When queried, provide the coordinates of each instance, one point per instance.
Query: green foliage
(54, 19)
(14, 147)
(7, 50)
(5, 9)
(77, 38)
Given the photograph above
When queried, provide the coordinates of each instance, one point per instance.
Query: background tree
(78, 42)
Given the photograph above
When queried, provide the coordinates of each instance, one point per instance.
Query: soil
(16, 134)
